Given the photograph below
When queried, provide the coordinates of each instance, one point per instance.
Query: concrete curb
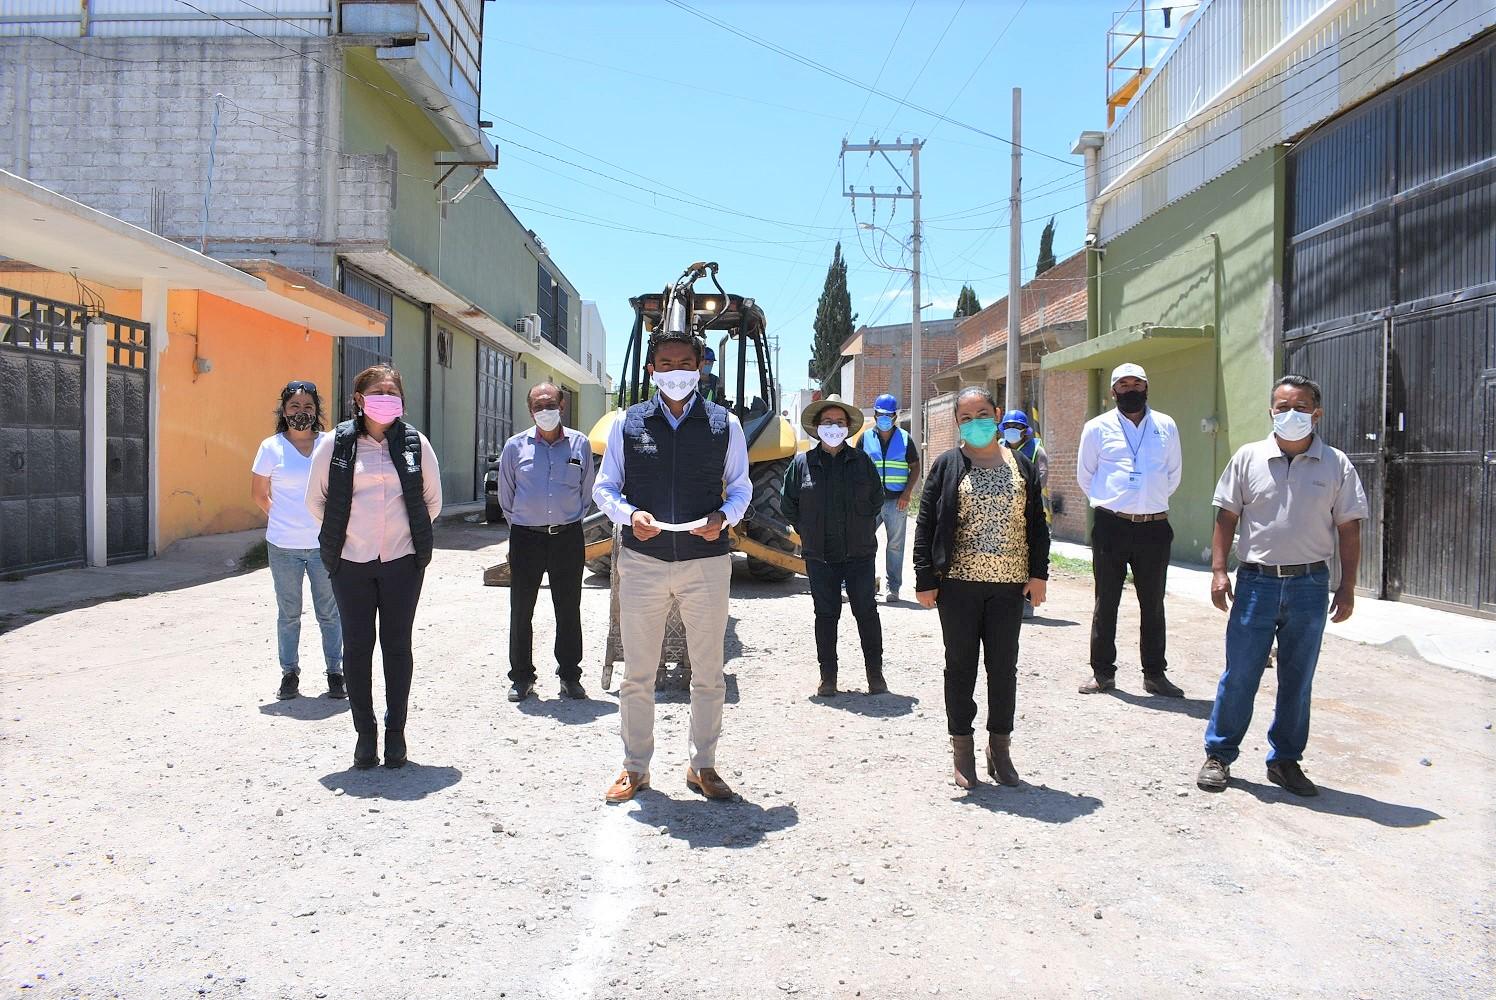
(1443, 638)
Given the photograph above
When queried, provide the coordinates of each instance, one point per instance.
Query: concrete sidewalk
(1462, 642)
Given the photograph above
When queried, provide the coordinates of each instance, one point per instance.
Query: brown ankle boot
(963, 753)
(999, 764)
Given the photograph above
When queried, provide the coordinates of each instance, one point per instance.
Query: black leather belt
(1162, 515)
(1296, 569)
(549, 529)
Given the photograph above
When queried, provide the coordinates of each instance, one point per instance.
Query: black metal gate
(495, 406)
(127, 428)
(357, 353)
(41, 433)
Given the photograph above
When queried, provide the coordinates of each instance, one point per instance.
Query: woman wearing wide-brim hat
(832, 495)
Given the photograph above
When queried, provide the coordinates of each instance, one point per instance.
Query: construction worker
(710, 386)
(894, 453)
(1018, 435)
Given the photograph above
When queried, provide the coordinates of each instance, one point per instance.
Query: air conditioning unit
(531, 326)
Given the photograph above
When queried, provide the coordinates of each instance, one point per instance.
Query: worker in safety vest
(894, 453)
(710, 385)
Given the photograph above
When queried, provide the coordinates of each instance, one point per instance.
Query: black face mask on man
(1132, 401)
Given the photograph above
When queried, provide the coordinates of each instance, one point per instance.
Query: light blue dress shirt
(739, 488)
(543, 483)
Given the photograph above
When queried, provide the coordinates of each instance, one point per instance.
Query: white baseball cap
(1128, 370)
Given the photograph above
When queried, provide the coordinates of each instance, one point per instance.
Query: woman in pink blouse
(375, 487)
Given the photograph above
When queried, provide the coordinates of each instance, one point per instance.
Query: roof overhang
(408, 277)
(993, 363)
(1137, 343)
(51, 231)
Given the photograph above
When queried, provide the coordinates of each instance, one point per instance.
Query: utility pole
(916, 371)
(1014, 397)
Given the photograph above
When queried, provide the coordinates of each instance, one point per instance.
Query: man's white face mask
(547, 420)
(1293, 425)
(676, 385)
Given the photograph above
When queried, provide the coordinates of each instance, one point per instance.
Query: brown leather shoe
(626, 786)
(964, 761)
(708, 782)
(1096, 686)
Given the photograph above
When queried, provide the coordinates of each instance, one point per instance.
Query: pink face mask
(383, 409)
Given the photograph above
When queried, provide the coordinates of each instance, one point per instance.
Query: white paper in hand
(683, 526)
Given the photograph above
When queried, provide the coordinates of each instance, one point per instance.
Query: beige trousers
(645, 588)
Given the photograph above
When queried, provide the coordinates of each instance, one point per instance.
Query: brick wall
(1064, 416)
(940, 426)
(1057, 296)
(885, 352)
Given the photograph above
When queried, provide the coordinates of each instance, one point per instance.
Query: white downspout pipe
(1243, 82)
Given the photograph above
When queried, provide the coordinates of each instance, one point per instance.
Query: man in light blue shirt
(675, 476)
(545, 479)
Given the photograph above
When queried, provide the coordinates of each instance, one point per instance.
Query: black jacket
(807, 496)
(935, 532)
(404, 444)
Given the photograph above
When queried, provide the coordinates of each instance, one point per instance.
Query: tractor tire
(768, 500)
(596, 533)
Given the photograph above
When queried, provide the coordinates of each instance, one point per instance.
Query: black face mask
(300, 421)
(1132, 402)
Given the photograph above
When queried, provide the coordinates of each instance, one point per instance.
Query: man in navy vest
(674, 476)
(894, 453)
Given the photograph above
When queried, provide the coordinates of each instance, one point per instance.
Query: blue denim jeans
(1293, 611)
(893, 521)
(287, 567)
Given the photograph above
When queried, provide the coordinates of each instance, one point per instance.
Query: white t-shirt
(291, 525)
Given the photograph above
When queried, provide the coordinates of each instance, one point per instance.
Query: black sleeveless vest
(405, 452)
(676, 474)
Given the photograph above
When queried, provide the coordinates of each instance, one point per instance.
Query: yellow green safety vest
(893, 468)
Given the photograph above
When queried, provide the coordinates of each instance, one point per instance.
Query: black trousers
(985, 618)
(1117, 545)
(826, 581)
(388, 591)
(533, 555)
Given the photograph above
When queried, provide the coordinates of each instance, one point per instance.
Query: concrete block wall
(125, 125)
(364, 187)
(1064, 395)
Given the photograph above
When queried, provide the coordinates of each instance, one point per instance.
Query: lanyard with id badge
(1134, 481)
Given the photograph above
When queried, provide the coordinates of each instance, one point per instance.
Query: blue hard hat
(711, 355)
(1015, 417)
(886, 403)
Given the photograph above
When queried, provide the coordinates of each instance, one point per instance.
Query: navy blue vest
(676, 474)
(404, 445)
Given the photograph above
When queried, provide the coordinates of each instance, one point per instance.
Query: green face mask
(980, 432)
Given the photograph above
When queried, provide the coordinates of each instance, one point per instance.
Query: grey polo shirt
(1289, 510)
(542, 484)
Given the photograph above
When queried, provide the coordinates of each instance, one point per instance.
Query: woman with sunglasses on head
(278, 487)
(981, 546)
(376, 488)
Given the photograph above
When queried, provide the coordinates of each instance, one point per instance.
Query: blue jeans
(1293, 611)
(893, 521)
(287, 566)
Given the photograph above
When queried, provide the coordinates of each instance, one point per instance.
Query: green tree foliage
(967, 303)
(834, 323)
(1046, 249)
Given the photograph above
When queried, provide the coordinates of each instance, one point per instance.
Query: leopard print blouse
(991, 540)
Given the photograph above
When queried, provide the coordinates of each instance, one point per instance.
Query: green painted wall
(410, 358)
(454, 407)
(1170, 271)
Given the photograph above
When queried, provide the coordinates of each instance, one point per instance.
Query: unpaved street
(171, 830)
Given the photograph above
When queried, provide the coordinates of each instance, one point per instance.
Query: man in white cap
(1129, 464)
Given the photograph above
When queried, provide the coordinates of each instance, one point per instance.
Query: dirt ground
(171, 830)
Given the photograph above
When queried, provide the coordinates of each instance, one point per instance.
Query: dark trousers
(826, 582)
(533, 555)
(388, 591)
(1117, 545)
(985, 618)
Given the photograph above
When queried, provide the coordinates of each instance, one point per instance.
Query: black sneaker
(1288, 774)
(335, 688)
(520, 691)
(1214, 775)
(573, 689)
(290, 686)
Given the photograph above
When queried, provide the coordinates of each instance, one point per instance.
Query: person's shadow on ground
(1195, 708)
(874, 706)
(306, 709)
(1337, 803)
(402, 784)
(736, 823)
(1040, 802)
(568, 711)
(1039, 619)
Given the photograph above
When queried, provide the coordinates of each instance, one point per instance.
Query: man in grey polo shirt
(1295, 500)
(545, 480)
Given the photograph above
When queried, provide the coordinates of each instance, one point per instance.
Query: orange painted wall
(211, 424)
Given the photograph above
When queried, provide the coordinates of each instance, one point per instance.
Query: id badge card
(1133, 483)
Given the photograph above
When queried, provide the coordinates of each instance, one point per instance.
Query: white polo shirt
(1127, 468)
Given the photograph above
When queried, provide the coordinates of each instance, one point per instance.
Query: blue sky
(688, 143)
